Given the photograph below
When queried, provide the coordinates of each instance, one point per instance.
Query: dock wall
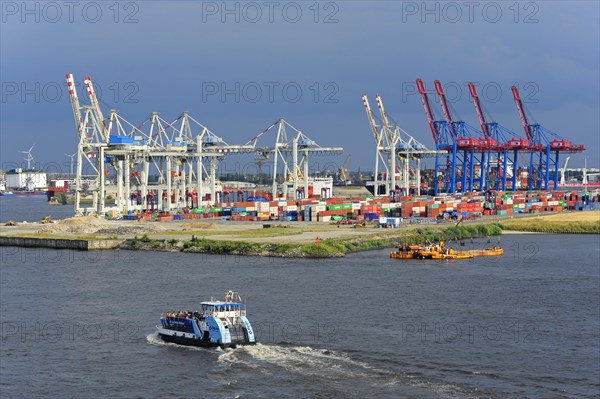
(81, 245)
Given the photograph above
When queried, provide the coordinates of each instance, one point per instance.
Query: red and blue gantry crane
(470, 152)
(501, 142)
(463, 151)
(444, 141)
(543, 144)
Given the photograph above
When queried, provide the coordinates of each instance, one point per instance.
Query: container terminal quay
(129, 177)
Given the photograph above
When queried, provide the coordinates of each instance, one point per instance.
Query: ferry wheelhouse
(219, 323)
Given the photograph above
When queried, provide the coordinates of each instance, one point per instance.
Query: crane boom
(343, 176)
(384, 117)
(347, 161)
(522, 113)
(445, 107)
(371, 118)
(479, 109)
(94, 100)
(428, 111)
(75, 104)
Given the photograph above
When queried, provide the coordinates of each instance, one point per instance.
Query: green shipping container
(339, 207)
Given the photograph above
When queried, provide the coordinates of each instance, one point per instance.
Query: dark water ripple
(81, 325)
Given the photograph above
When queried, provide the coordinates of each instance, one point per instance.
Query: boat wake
(328, 370)
(154, 339)
(301, 360)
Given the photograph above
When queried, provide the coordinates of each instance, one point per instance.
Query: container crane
(496, 139)
(381, 152)
(396, 149)
(544, 143)
(391, 143)
(444, 141)
(298, 148)
(89, 148)
(465, 142)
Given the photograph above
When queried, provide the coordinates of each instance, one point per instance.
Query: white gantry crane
(157, 165)
(291, 161)
(91, 135)
(396, 154)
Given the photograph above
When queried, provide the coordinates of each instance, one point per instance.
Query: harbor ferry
(218, 324)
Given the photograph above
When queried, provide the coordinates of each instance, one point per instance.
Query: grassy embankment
(333, 247)
(563, 223)
(566, 223)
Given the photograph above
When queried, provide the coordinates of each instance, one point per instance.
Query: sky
(239, 66)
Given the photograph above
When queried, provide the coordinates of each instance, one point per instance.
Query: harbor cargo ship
(218, 324)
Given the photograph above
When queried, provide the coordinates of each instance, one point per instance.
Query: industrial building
(25, 180)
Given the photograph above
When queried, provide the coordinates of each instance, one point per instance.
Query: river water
(31, 209)
(81, 324)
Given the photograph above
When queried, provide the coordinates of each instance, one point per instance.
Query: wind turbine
(29, 157)
(71, 156)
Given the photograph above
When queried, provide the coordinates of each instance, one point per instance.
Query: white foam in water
(324, 363)
(154, 339)
(329, 365)
(297, 359)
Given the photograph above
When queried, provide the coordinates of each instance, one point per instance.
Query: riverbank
(320, 248)
(562, 223)
(278, 239)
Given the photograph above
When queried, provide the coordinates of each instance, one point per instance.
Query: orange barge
(439, 251)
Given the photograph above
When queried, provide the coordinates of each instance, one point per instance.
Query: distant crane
(343, 169)
(563, 170)
(585, 179)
